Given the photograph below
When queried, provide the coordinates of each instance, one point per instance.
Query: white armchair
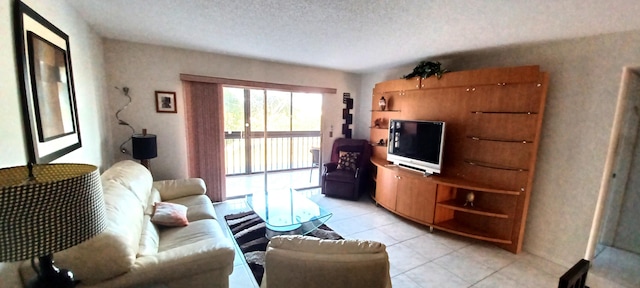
(302, 261)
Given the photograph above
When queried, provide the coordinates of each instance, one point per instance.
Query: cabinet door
(416, 198)
(386, 182)
(398, 85)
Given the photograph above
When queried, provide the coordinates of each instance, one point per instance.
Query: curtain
(204, 109)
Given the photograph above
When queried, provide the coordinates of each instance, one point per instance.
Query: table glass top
(284, 210)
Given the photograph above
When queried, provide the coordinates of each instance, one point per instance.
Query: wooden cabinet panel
(386, 183)
(416, 198)
(515, 97)
(488, 76)
(503, 126)
(398, 85)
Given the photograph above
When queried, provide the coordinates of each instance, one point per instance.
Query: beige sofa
(134, 252)
(302, 261)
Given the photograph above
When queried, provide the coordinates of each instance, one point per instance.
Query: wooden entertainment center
(493, 122)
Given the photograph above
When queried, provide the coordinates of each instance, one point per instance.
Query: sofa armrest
(172, 189)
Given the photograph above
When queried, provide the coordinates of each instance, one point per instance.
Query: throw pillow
(348, 161)
(169, 214)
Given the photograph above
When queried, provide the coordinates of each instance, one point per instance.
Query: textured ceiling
(355, 36)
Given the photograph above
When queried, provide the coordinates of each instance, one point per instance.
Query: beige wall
(88, 72)
(584, 82)
(147, 68)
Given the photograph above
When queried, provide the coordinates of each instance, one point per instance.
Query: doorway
(270, 139)
(614, 244)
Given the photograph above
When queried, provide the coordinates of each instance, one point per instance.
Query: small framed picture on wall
(166, 102)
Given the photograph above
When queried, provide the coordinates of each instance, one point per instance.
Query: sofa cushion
(200, 207)
(175, 237)
(169, 214)
(348, 161)
(189, 250)
(134, 176)
(173, 189)
(150, 238)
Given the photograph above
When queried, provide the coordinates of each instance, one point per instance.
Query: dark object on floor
(249, 232)
(426, 69)
(346, 175)
(576, 277)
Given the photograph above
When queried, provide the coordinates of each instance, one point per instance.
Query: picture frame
(47, 89)
(166, 102)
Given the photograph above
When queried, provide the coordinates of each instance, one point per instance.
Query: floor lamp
(45, 209)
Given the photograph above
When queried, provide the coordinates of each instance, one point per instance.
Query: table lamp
(45, 209)
(144, 147)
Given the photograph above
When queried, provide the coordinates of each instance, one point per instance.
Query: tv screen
(416, 144)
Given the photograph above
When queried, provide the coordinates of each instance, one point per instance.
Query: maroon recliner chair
(347, 181)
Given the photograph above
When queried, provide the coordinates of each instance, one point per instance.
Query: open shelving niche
(490, 150)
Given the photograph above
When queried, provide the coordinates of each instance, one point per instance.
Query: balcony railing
(285, 151)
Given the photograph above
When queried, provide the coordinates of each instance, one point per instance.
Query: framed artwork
(166, 102)
(48, 96)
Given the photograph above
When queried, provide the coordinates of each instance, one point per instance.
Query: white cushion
(169, 214)
(200, 207)
(172, 189)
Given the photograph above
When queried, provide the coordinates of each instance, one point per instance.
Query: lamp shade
(58, 207)
(144, 146)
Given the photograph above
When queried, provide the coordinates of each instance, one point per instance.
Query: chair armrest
(172, 189)
(329, 167)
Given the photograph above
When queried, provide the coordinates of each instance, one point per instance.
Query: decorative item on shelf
(470, 197)
(382, 103)
(144, 147)
(125, 92)
(426, 69)
(377, 123)
(381, 142)
(46, 209)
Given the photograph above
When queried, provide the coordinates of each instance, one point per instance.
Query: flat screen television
(416, 145)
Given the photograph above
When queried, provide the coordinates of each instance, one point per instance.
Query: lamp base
(50, 276)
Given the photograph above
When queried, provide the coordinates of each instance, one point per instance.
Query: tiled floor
(618, 264)
(422, 259)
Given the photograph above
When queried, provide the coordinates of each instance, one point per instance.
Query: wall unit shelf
(454, 227)
(387, 110)
(456, 205)
(476, 138)
(490, 150)
(493, 166)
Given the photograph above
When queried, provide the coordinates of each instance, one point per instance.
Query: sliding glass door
(272, 140)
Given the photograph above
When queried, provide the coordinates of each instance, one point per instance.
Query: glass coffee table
(287, 213)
